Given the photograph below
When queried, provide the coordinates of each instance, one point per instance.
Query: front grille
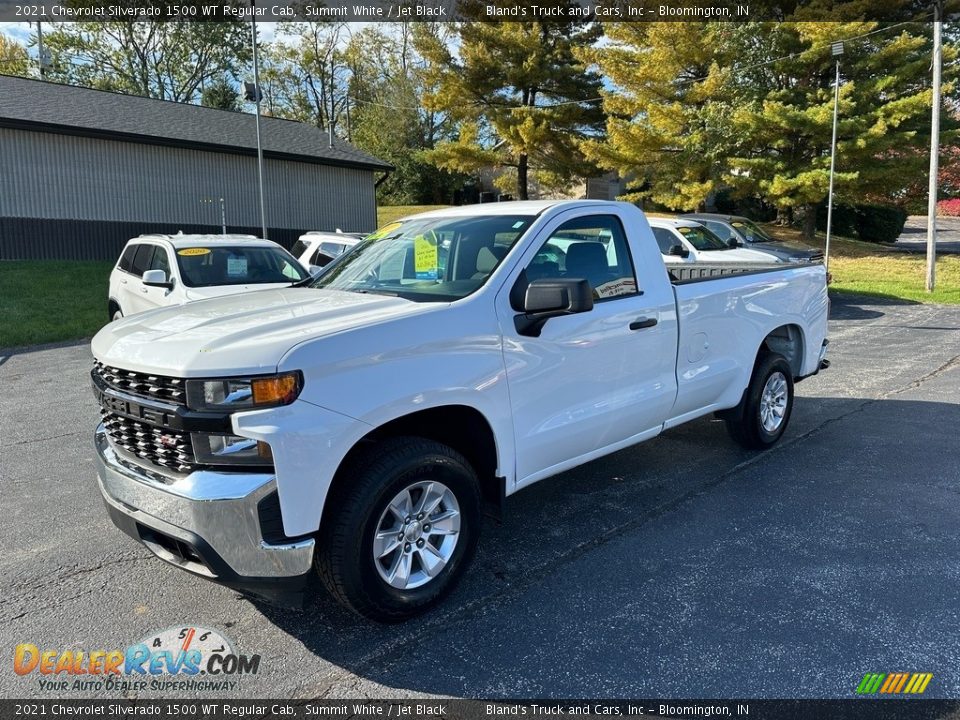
(160, 446)
(145, 385)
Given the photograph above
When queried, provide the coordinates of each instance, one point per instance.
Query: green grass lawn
(880, 270)
(47, 301)
(51, 300)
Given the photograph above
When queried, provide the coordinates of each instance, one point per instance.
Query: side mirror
(314, 270)
(548, 298)
(732, 243)
(679, 250)
(156, 278)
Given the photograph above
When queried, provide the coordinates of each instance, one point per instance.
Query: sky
(23, 31)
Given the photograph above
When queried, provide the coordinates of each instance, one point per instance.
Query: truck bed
(696, 272)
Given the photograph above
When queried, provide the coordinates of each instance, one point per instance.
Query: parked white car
(355, 428)
(315, 250)
(687, 241)
(159, 270)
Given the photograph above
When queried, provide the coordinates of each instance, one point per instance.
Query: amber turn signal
(277, 390)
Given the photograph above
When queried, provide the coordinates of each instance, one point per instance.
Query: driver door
(596, 379)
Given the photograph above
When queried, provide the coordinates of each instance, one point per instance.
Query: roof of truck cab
(188, 241)
(511, 207)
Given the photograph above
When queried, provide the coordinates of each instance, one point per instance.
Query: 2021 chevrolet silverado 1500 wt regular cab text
(355, 427)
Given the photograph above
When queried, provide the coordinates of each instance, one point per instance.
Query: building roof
(68, 110)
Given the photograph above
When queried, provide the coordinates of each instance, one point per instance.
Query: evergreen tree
(221, 94)
(666, 113)
(518, 91)
(696, 106)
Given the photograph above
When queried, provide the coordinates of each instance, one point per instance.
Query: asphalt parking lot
(684, 567)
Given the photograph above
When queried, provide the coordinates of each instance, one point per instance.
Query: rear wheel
(398, 535)
(762, 416)
(115, 313)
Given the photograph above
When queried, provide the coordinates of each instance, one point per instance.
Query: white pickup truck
(356, 427)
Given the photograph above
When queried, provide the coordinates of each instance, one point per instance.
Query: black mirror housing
(679, 250)
(552, 297)
(732, 243)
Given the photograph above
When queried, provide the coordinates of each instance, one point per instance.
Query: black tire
(373, 478)
(115, 313)
(745, 422)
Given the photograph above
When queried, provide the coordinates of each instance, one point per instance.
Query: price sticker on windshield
(425, 258)
(191, 252)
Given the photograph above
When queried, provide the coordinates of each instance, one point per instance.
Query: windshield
(427, 259)
(751, 231)
(237, 265)
(702, 239)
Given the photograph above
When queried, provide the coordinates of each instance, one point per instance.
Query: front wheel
(401, 530)
(762, 416)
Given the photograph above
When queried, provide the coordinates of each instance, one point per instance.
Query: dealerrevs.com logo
(178, 658)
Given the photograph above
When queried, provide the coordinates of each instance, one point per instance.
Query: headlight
(215, 449)
(232, 394)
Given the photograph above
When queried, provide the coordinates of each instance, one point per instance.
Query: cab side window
(142, 260)
(594, 248)
(665, 240)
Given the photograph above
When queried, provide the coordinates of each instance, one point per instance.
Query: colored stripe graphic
(870, 683)
(894, 683)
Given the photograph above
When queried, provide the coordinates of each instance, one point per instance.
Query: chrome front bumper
(207, 522)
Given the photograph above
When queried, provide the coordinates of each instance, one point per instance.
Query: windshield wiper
(366, 291)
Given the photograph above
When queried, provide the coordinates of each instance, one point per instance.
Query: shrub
(880, 223)
(949, 208)
(844, 219)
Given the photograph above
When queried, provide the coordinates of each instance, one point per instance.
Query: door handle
(145, 291)
(641, 323)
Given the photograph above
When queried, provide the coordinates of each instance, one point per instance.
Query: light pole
(257, 96)
(934, 149)
(837, 51)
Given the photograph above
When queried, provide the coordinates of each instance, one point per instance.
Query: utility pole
(333, 107)
(934, 148)
(257, 97)
(837, 51)
(43, 58)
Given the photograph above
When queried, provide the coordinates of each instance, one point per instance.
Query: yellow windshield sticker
(684, 230)
(384, 231)
(190, 252)
(425, 258)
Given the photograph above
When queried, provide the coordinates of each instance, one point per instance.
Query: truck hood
(239, 334)
(787, 249)
(204, 293)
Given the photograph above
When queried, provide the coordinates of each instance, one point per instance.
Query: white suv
(316, 250)
(159, 270)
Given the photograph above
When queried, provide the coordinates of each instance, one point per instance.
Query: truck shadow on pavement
(688, 566)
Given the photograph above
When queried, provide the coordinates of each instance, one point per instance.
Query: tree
(13, 57)
(165, 60)
(666, 114)
(518, 91)
(221, 94)
(783, 120)
(750, 105)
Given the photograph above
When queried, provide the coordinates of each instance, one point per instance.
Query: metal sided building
(82, 171)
